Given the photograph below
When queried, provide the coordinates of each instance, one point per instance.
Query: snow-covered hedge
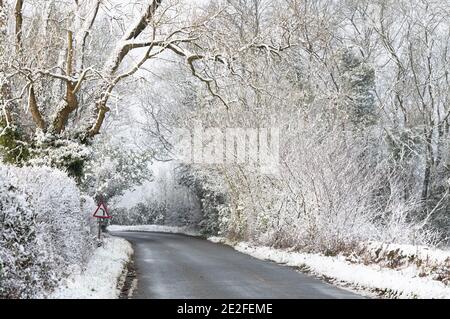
(45, 230)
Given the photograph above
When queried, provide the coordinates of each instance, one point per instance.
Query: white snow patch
(402, 283)
(218, 240)
(101, 278)
(155, 229)
(410, 252)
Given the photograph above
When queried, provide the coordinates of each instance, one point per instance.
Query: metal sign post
(99, 237)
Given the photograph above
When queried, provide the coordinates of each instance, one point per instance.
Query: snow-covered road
(174, 266)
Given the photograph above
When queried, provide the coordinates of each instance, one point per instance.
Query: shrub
(46, 231)
(24, 269)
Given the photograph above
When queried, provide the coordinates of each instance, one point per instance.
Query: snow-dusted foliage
(149, 213)
(338, 182)
(46, 230)
(358, 85)
(115, 169)
(64, 154)
(24, 268)
(211, 191)
(323, 201)
(161, 201)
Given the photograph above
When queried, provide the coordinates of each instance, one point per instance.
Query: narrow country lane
(173, 266)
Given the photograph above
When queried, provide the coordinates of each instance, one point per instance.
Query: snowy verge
(385, 282)
(155, 229)
(103, 274)
(425, 261)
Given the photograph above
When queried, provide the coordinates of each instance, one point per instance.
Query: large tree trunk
(70, 103)
(102, 110)
(19, 23)
(32, 105)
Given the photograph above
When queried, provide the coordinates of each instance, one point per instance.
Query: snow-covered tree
(352, 102)
(358, 87)
(113, 170)
(64, 77)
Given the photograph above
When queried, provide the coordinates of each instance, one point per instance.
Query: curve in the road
(171, 266)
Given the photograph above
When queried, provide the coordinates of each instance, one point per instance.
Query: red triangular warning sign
(102, 212)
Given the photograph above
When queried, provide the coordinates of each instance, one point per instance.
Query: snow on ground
(390, 283)
(407, 253)
(102, 276)
(155, 228)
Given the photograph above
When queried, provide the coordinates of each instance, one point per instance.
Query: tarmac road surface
(170, 266)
